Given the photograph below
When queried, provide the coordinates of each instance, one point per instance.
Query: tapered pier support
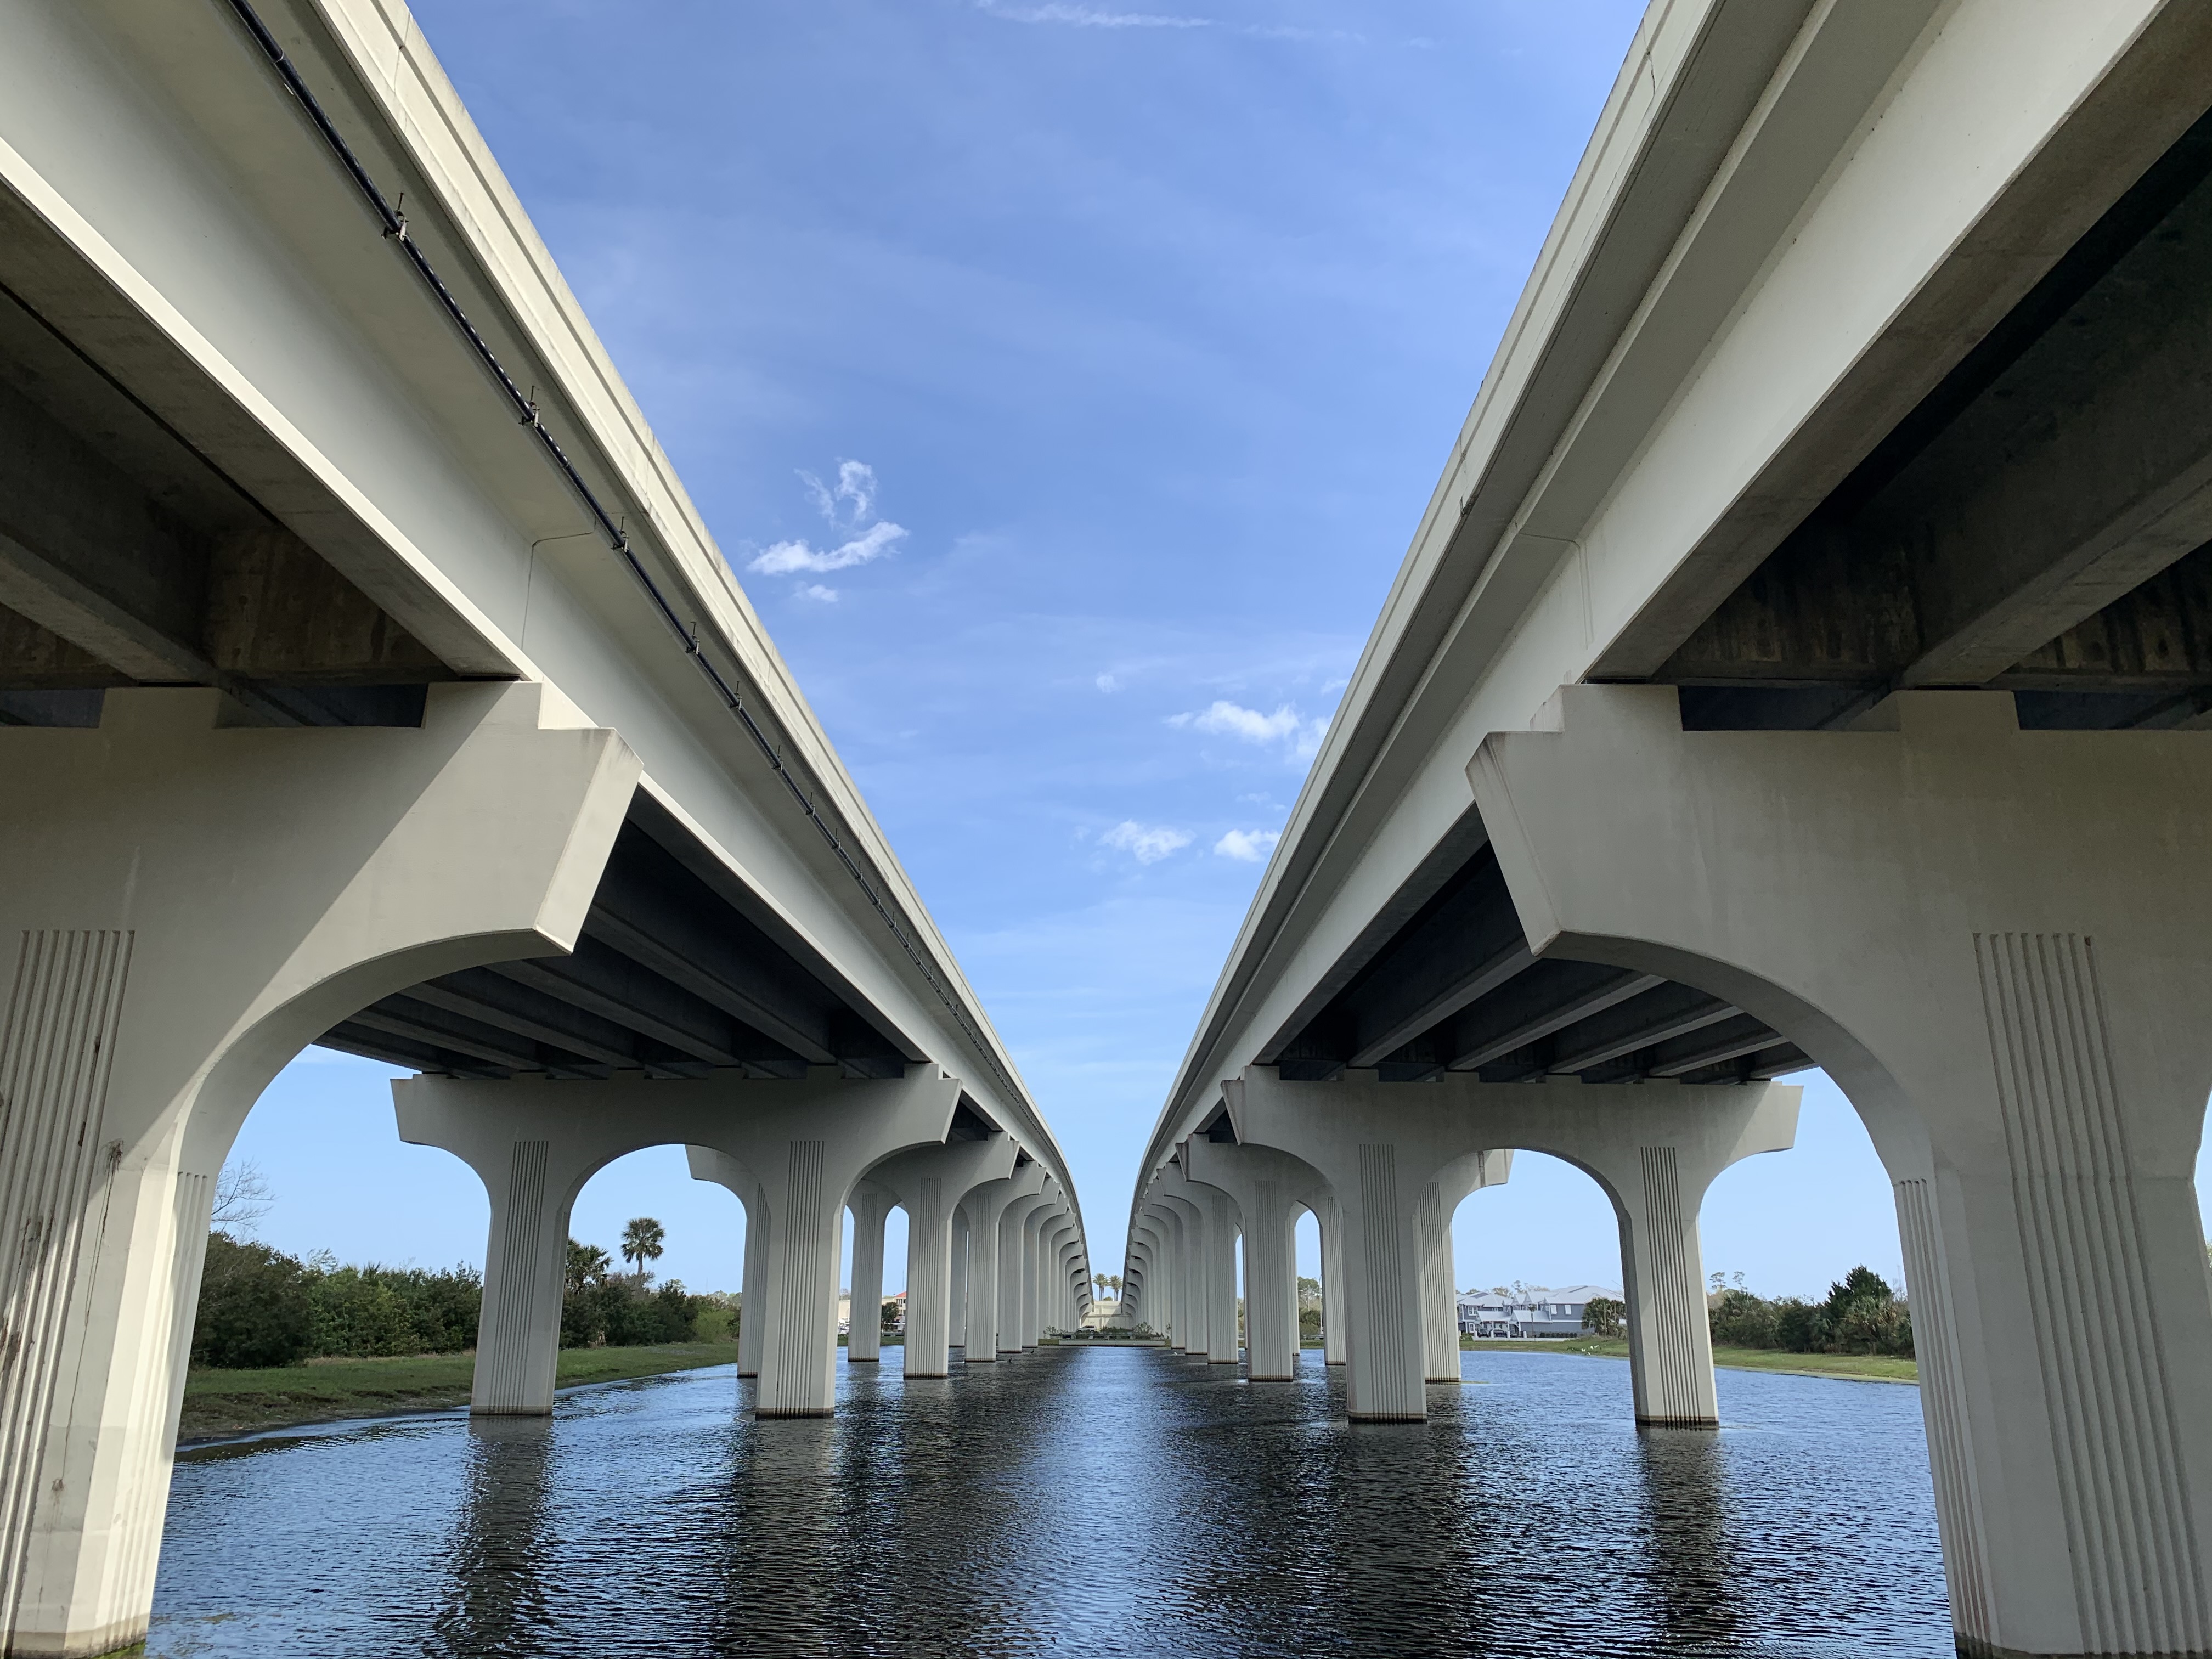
(805, 1142)
(1213, 1267)
(190, 901)
(931, 1183)
(1383, 1146)
(1267, 1186)
(871, 1206)
(986, 1207)
(1999, 943)
(1015, 1230)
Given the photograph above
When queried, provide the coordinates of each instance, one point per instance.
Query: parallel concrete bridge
(1805, 661)
(367, 678)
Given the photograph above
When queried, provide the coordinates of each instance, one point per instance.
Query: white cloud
(848, 505)
(1247, 846)
(1149, 846)
(870, 546)
(816, 591)
(856, 486)
(1108, 683)
(1230, 720)
(1089, 17)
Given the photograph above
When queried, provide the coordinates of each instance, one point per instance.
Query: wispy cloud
(1089, 17)
(815, 591)
(849, 507)
(1230, 719)
(1150, 845)
(1069, 14)
(1108, 683)
(1247, 846)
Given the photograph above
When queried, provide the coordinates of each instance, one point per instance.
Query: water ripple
(1106, 1502)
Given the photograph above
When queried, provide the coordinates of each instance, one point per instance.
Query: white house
(1531, 1311)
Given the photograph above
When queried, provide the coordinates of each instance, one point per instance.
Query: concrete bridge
(1804, 660)
(367, 678)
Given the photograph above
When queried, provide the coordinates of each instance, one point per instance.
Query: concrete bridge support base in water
(197, 900)
(1390, 1151)
(1999, 944)
(986, 1208)
(1266, 1187)
(871, 1205)
(798, 1145)
(1016, 1226)
(930, 1184)
(1212, 1222)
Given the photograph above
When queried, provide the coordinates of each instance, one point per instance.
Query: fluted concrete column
(1440, 1200)
(1065, 1312)
(707, 1165)
(987, 1207)
(1999, 943)
(1013, 1227)
(1655, 1148)
(1035, 1230)
(956, 1305)
(1216, 1265)
(930, 1183)
(871, 1206)
(806, 1140)
(1265, 1184)
(1154, 1309)
(1335, 1315)
(1193, 1305)
(190, 902)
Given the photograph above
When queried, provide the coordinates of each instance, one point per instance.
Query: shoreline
(1839, 1367)
(231, 1404)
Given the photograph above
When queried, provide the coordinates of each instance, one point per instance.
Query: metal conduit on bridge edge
(394, 226)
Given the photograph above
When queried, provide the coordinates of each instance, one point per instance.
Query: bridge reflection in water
(1097, 1502)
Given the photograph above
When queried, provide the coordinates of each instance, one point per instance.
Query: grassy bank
(1864, 1368)
(218, 1403)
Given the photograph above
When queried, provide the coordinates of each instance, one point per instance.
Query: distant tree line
(259, 1307)
(1861, 1315)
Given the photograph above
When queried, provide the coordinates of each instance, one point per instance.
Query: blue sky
(1065, 382)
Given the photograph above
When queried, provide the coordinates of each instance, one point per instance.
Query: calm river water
(1079, 1501)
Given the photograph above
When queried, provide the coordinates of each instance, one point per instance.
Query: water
(1081, 1501)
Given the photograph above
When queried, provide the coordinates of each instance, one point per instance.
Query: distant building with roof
(1534, 1310)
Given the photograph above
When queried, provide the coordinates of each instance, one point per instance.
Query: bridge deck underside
(2040, 523)
(1456, 989)
(670, 977)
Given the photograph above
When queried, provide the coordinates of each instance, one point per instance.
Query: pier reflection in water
(1096, 1501)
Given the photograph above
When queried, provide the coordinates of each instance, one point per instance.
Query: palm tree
(1114, 1283)
(640, 1243)
(585, 1263)
(1099, 1279)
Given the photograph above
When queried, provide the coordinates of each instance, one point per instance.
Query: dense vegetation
(1861, 1316)
(602, 1308)
(259, 1307)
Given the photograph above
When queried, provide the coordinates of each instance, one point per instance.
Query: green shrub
(255, 1308)
(1861, 1316)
